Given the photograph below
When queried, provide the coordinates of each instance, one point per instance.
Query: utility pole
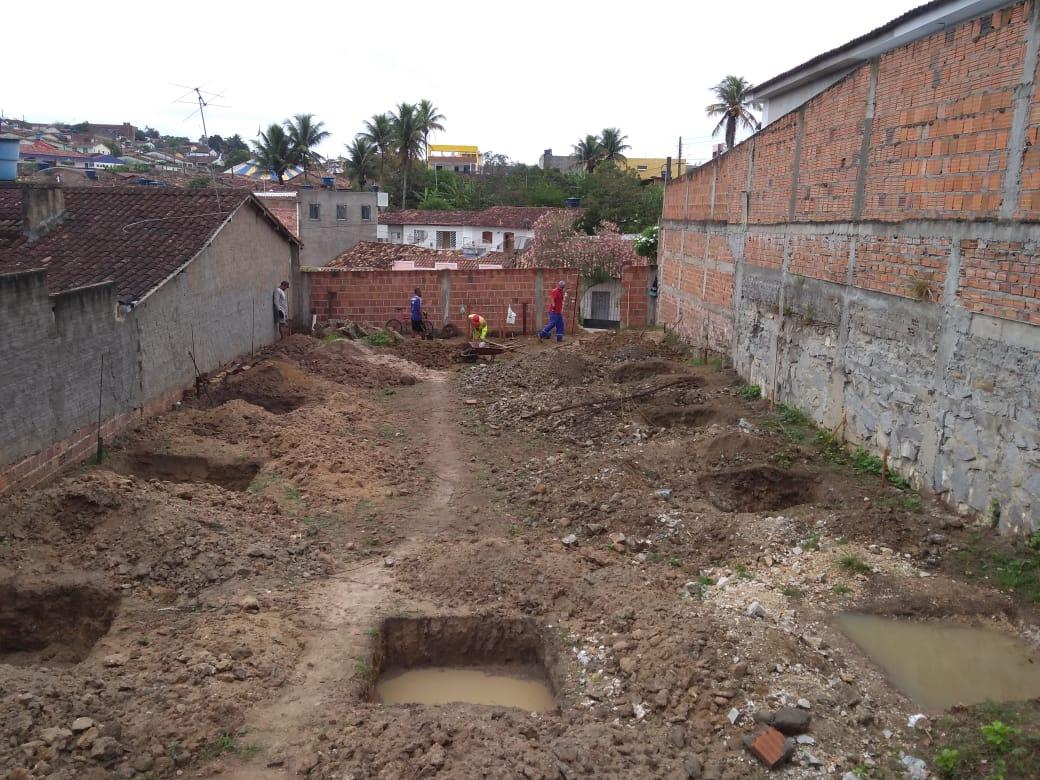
(678, 165)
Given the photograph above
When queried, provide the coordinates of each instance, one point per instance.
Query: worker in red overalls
(556, 301)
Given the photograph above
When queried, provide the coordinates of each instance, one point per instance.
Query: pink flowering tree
(598, 257)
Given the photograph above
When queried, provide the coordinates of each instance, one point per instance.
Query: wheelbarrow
(474, 350)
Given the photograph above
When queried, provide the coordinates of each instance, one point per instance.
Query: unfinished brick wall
(872, 257)
(373, 297)
(638, 308)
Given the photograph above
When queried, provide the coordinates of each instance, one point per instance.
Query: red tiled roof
(284, 206)
(40, 148)
(494, 217)
(133, 237)
(381, 256)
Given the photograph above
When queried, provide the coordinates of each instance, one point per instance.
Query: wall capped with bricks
(872, 257)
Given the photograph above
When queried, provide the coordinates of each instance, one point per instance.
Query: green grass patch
(811, 542)
(379, 339)
(1011, 565)
(227, 743)
(792, 592)
(853, 564)
(749, 392)
(362, 668)
(292, 493)
(913, 503)
(991, 741)
(841, 590)
(782, 460)
(328, 338)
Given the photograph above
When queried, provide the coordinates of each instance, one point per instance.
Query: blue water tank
(573, 203)
(326, 182)
(8, 157)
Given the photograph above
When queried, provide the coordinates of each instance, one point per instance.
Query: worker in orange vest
(478, 328)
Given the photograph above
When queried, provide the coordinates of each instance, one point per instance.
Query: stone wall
(872, 258)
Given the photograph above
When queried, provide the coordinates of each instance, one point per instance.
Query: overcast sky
(513, 78)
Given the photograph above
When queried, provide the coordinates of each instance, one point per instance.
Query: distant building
(327, 221)
(497, 229)
(566, 163)
(458, 159)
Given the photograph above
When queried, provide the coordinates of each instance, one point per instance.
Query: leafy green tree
(613, 144)
(235, 143)
(79, 127)
(216, 143)
(429, 119)
(361, 160)
(734, 106)
(408, 140)
(589, 152)
(432, 200)
(237, 157)
(150, 132)
(113, 148)
(274, 150)
(619, 197)
(304, 134)
(379, 130)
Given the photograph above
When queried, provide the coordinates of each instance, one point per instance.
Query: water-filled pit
(465, 659)
(938, 665)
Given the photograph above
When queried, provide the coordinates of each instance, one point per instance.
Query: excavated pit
(228, 474)
(510, 662)
(643, 369)
(757, 489)
(52, 623)
(681, 416)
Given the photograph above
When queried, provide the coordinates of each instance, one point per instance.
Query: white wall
(614, 288)
(464, 236)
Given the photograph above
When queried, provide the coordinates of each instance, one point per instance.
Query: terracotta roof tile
(494, 217)
(133, 237)
(379, 255)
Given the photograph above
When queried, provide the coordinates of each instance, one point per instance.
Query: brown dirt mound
(643, 369)
(350, 364)
(732, 445)
(428, 354)
(55, 622)
(568, 368)
(275, 385)
(757, 489)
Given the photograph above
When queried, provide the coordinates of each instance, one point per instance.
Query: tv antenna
(203, 99)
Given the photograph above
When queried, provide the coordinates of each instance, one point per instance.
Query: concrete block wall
(53, 347)
(872, 258)
(373, 297)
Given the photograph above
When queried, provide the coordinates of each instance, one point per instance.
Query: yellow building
(652, 167)
(449, 157)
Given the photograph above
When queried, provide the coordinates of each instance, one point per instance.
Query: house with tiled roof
(126, 295)
(505, 229)
(381, 256)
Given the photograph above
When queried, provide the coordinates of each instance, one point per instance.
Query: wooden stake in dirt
(884, 467)
(101, 385)
(612, 401)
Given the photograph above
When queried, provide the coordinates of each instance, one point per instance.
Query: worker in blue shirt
(415, 306)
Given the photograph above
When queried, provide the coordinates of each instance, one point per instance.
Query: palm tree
(589, 152)
(613, 143)
(429, 120)
(361, 160)
(408, 139)
(305, 134)
(379, 131)
(734, 106)
(274, 151)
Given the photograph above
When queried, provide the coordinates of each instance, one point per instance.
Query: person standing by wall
(557, 298)
(281, 309)
(415, 311)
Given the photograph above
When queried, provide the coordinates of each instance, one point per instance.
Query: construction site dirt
(220, 594)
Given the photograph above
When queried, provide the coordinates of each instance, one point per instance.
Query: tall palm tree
(361, 160)
(305, 134)
(613, 143)
(408, 139)
(734, 106)
(379, 131)
(274, 151)
(429, 119)
(589, 152)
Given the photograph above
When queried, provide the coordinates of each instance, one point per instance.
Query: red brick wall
(373, 297)
(636, 304)
(937, 149)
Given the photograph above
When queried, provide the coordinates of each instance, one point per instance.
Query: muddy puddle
(520, 688)
(938, 665)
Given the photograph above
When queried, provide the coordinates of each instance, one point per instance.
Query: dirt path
(347, 607)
